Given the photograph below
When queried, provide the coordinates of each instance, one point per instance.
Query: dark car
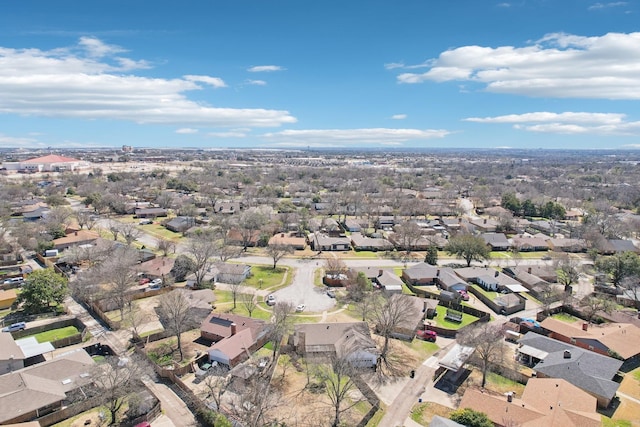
(426, 335)
(464, 295)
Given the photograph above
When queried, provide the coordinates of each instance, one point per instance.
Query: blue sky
(297, 74)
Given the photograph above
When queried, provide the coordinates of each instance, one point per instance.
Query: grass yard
(265, 277)
(489, 294)
(608, 422)
(564, 317)
(94, 415)
(531, 298)
(424, 349)
(157, 230)
(56, 334)
(440, 321)
(375, 420)
(423, 413)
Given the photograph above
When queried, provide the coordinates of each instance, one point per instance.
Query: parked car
(426, 335)
(156, 282)
(20, 326)
(300, 308)
(144, 281)
(331, 293)
(271, 300)
(464, 295)
(14, 280)
(146, 221)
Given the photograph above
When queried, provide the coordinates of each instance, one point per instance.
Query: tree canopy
(41, 289)
(468, 247)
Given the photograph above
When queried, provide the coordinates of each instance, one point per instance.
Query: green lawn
(362, 254)
(157, 230)
(56, 334)
(441, 322)
(565, 317)
(503, 384)
(531, 297)
(423, 348)
(265, 277)
(608, 422)
(489, 294)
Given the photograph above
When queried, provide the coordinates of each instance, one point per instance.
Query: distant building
(50, 163)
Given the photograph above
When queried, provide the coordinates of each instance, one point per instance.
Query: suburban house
(227, 207)
(234, 337)
(385, 222)
(618, 339)
(351, 340)
(390, 282)
(42, 388)
(322, 242)
(180, 224)
(528, 243)
(613, 246)
(352, 226)
(544, 402)
(490, 279)
(11, 355)
(496, 241)
(151, 212)
(235, 237)
(9, 254)
(534, 284)
(225, 272)
(76, 238)
(448, 280)
(567, 245)
(292, 239)
(364, 243)
(159, 267)
(585, 369)
(420, 274)
(484, 225)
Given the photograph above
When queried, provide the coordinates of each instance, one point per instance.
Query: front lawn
(265, 277)
(489, 294)
(56, 334)
(564, 317)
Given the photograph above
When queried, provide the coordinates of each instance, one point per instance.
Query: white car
(300, 308)
(271, 300)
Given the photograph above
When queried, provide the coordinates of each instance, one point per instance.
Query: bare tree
(408, 234)
(166, 246)
(254, 407)
(366, 304)
(249, 301)
(86, 219)
(120, 274)
(282, 322)
(334, 265)
(337, 376)
(135, 318)
(114, 228)
(488, 340)
(568, 270)
(250, 222)
(216, 384)
(388, 316)
(116, 378)
(129, 232)
(278, 251)
(175, 314)
(202, 249)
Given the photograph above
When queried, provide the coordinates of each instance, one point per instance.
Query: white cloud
(186, 131)
(216, 82)
(230, 134)
(265, 68)
(393, 65)
(558, 66)
(597, 6)
(399, 116)
(64, 83)
(255, 82)
(13, 141)
(97, 49)
(341, 137)
(568, 123)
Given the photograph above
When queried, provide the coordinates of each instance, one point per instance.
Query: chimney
(585, 326)
(282, 235)
(529, 270)
(380, 272)
(438, 273)
(233, 329)
(484, 221)
(76, 233)
(567, 354)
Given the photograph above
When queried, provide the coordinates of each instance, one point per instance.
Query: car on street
(271, 300)
(426, 335)
(20, 326)
(546, 258)
(14, 280)
(300, 308)
(331, 293)
(464, 295)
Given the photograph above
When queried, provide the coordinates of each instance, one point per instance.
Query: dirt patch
(192, 346)
(631, 384)
(312, 406)
(628, 410)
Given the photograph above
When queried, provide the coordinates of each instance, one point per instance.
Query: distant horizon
(331, 75)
